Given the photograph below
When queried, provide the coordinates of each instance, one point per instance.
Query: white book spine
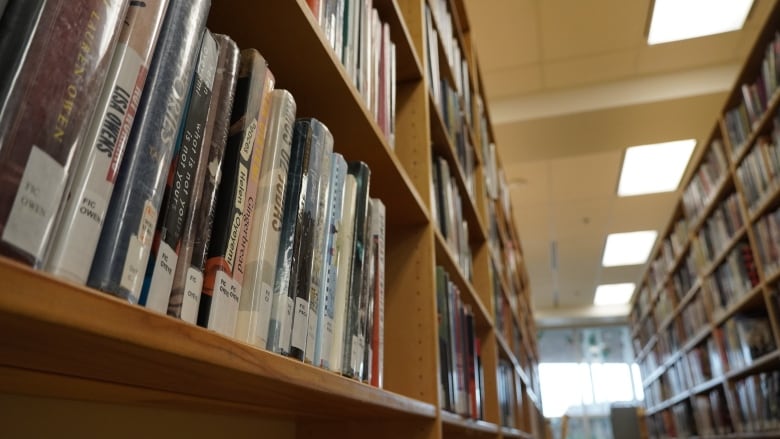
(316, 292)
(343, 256)
(324, 335)
(255, 307)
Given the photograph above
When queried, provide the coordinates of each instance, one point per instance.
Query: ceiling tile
(600, 67)
(644, 212)
(530, 184)
(577, 28)
(506, 32)
(584, 177)
(688, 54)
(511, 81)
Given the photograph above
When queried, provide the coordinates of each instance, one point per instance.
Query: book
(128, 228)
(377, 311)
(54, 85)
(344, 247)
(324, 330)
(318, 142)
(17, 26)
(84, 207)
(178, 202)
(365, 312)
(218, 308)
(254, 310)
(188, 277)
(354, 338)
(282, 304)
(317, 288)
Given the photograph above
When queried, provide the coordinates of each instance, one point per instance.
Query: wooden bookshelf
(68, 342)
(726, 296)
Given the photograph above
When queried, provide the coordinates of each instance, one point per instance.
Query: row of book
(177, 177)
(736, 276)
(711, 414)
(447, 212)
(721, 226)
(665, 305)
(710, 173)
(506, 395)
(767, 232)
(758, 172)
(758, 402)
(746, 338)
(693, 317)
(363, 44)
(462, 377)
(743, 118)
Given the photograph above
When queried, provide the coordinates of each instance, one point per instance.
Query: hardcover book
(317, 288)
(283, 304)
(376, 317)
(254, 311)
(354, 337)
(319, 142)
(188, 280)
(324, 330)
(221, 293)
(178, 197)
(128, 229)
(78, 229)
(345, 239)
(54, 84)
(188, 277)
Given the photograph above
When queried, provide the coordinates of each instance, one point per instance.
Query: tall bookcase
(705, 318)
(65, 342)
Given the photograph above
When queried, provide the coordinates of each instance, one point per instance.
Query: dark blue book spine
(354, 343)
(125, 242)
(319, 139)
(282, 305)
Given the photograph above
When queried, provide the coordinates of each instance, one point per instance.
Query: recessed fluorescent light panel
(675, 20)
(650, 169)
(614, 294)
(630, 248)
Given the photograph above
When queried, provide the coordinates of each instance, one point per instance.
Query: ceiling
(571, 84)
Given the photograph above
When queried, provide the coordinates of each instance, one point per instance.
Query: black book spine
(315, 135)
(354, 343)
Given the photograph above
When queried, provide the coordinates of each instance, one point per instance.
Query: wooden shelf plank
(454, 423)
(58, 328)
(408, 63)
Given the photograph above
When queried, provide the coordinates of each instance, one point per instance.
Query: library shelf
(456, 424)
(65, 325)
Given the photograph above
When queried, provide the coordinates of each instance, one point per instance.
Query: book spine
(61, 77)
(204, 218)
(221, 292)
(367, 298)
(181, 179)
(378, 290)
(316, 290)
(344, 244)
(84, 207)
(188, 276)
(282, 304)
(354, 342)
(320, 141)
(254, 311)
(324, 336)
(126, 237)
(17, 26)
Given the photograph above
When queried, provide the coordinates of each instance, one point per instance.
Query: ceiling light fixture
(650, 169)
(614, 294)
(675, 20)
(630, 248)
